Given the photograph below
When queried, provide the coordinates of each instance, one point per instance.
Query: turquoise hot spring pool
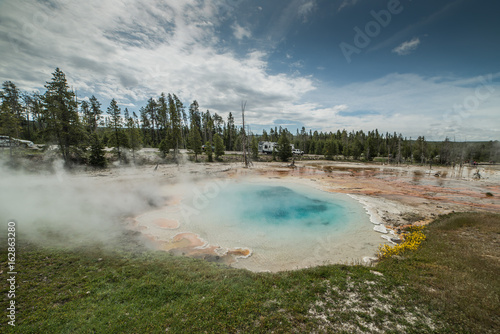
(286, 225)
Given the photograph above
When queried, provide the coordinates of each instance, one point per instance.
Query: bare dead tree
(245, 155)
(399, 150)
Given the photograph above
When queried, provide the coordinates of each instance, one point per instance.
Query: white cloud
(305, 9)
(437, 107)
(407, 47)
(347, 3)
(131, 50)
(414, 105)
(297, 64)
(240, 32)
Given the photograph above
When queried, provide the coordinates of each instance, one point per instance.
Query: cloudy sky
(417, 67)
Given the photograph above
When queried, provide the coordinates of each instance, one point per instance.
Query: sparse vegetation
(412, 217)
(412, 240)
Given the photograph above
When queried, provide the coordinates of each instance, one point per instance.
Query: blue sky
(417, 67)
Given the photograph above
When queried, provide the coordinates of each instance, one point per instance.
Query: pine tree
(152, 112)
(97, 158)
(162, 116)
(284, 148)
(330, 149)
(133, 132)
(61, 115)
(164, 147)
(10, 96)
(95, 113)
(10, 122)
(116, 126)
(255, 148)
(33, 107)
(195, 142)
(218, 123)
(231, 133)
(175, 135)
(208, 126)
(194, 114)
(420, 152)
(369, 147)
(87, 117)
(219, 146)
(208, 150)
(264, 137)
(183, 123)
(319, 147)
(9, 125)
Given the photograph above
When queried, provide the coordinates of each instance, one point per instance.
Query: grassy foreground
(450, 284)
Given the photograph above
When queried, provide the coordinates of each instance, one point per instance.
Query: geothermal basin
(262, 226)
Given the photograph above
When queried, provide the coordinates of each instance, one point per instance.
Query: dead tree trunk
(245, 155)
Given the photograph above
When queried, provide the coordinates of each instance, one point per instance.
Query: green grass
(457, 272)
(450, 285)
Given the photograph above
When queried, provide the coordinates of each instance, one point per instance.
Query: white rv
(268, 147)
(5, 141)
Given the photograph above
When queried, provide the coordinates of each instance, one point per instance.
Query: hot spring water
(286, 225)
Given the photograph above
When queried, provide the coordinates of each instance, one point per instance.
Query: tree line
(81, 130)
(392, 147)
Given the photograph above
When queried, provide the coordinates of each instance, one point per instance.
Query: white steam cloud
(77, 208)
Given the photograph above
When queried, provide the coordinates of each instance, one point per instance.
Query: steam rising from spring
(76, 208)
